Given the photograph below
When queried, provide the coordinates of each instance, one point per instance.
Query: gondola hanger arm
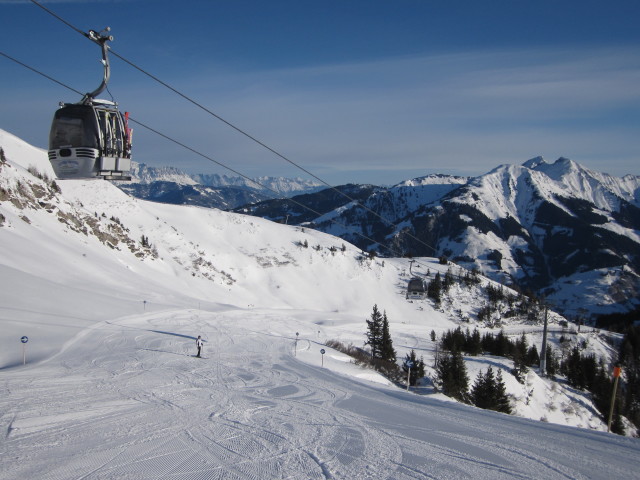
(101, 39)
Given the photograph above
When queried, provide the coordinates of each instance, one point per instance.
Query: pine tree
(601, 392)
(442, 367)
(482, 390)
(629, 358)
(460, 378)
(572, 368)
(553, 364)
(448, 281)
(488, 343)
(452, 375)
(501, 345)
(489, 392)
(533, 358)
(474, 343)
(383, 355)
(434, 289)
(521, 348)
(387, 352)
(453, 340)
(374, 332)
(501, 397)
(520, 359)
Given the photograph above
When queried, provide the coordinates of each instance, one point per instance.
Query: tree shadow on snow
(166, 351)
(190, 337)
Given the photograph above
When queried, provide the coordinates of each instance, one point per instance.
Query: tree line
(487, 392)
(499, 345)
(586, 372)
(582, 371)
(508, 302)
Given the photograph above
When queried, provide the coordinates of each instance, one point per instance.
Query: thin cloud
(461, 113)
(468, 110)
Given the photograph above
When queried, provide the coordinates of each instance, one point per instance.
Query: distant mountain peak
(561, 167)
(145, 174)
(539, 163)
(434, 179)
(535, 162)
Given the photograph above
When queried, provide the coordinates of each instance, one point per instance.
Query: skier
(199, 345)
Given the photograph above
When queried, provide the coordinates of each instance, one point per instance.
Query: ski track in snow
(127, 400)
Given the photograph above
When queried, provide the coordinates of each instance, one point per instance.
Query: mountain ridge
(556, 229)
(174, 186)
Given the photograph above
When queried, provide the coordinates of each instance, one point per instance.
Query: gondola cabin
(89, 140)
(416, 289)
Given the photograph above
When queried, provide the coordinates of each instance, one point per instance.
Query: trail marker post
(543, 353)
(24, 341)
(322, 352)
(616, 375)
(409, 365)
(295, 350)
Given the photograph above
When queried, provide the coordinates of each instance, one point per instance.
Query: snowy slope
(112, 291)
(126, 399)
(422, 191)
(601, 189)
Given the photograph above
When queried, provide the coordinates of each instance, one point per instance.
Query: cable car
(91, 138)
(416, 289)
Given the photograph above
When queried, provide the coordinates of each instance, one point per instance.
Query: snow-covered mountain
(283, 186)
(569, 233)
(171, 185)
(561, 230)
(112, 290)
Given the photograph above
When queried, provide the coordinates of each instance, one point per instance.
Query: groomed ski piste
(111, 390)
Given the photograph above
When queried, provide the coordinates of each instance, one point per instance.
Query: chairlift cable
(40, 73)
(239, 130)
(53, 14)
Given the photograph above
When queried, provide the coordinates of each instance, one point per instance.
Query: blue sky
(354, 91)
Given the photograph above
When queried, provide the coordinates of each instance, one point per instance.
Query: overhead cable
(39, 72)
